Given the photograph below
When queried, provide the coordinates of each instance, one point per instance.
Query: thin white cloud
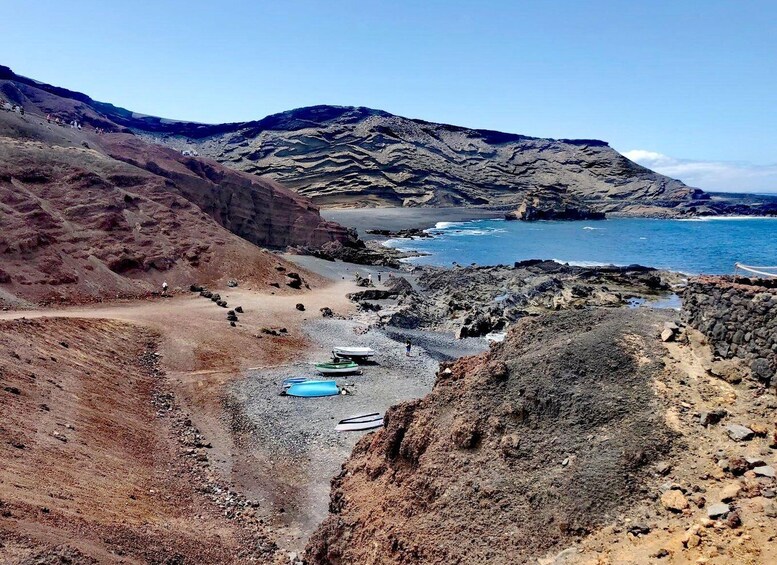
(723, 176)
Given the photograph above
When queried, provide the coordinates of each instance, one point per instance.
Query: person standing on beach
(408, 345)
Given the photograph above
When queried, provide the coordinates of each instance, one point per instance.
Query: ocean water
(696, 246)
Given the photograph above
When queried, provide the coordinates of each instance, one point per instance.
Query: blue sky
(688, 88)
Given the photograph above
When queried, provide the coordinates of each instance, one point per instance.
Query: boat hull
(337, 370)
(353, 352)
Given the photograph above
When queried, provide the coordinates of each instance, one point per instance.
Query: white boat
(360, 422)
(353, 352)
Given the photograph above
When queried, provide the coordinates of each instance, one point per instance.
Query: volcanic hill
(356, 156)
(87, 216)
(513, 452)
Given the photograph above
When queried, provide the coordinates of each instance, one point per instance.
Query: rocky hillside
(86, 216)
(363, 157)
(354, 156)
(513, 454)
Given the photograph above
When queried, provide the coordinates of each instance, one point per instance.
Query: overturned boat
(360, 422)
(353, 352)
(338, 368)
(293, 381)
(312, 389)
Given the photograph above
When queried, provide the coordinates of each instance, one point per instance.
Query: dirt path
(199, 352)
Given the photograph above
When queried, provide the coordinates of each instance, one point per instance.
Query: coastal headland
(154, 301)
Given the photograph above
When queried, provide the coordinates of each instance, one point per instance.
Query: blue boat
(313, 388)
(293, 381)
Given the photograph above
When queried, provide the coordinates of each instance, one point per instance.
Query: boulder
(762, 369)
(739, 433)
(667, 335)
(738, 465)
(326, 312)
(674, 500)
(550, 204)
(753, 462)
(759, 429)
(730, 492)
(718, 510)
(239, 309)
(712, 417)
(294, 280)
(733, 520)
(764, 471)
(300, 307)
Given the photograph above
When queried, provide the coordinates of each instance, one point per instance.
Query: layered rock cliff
(88, 216)
(354, 156)
(362, 157)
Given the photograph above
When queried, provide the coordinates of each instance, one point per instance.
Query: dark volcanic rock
(474, 301)
(517, 443)
(358, 156)
(553, 205)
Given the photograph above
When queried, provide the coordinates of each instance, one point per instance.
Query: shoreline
(395, 219)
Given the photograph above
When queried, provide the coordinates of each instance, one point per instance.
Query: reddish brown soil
(513, 454)
(91, 465)
(570, 443)
(200, 354)
(89, 217)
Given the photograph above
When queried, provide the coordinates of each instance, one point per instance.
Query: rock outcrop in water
(553, 205)
(354, 156)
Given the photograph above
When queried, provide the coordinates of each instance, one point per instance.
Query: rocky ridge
(89, 216)
(512, 454)
(488, 469)
(355, 156)
(474, 301)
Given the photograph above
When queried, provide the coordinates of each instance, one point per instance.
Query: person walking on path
(379, 275)
(369, 278)
(408, 345)
(164, 288)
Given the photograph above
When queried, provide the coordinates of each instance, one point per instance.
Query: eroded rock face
(355, 156)
(119, 217)
(553, 205)
(364, 157)
(512, 454)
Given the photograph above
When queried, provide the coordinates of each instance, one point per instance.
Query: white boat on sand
(353, 352)
(360, 422)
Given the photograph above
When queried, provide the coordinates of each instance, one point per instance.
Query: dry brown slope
(513, 454)
(90, 464)
(88, 217)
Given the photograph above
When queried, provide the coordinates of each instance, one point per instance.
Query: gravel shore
(296, 438)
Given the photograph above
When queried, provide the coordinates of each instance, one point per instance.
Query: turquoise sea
(697, 246)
